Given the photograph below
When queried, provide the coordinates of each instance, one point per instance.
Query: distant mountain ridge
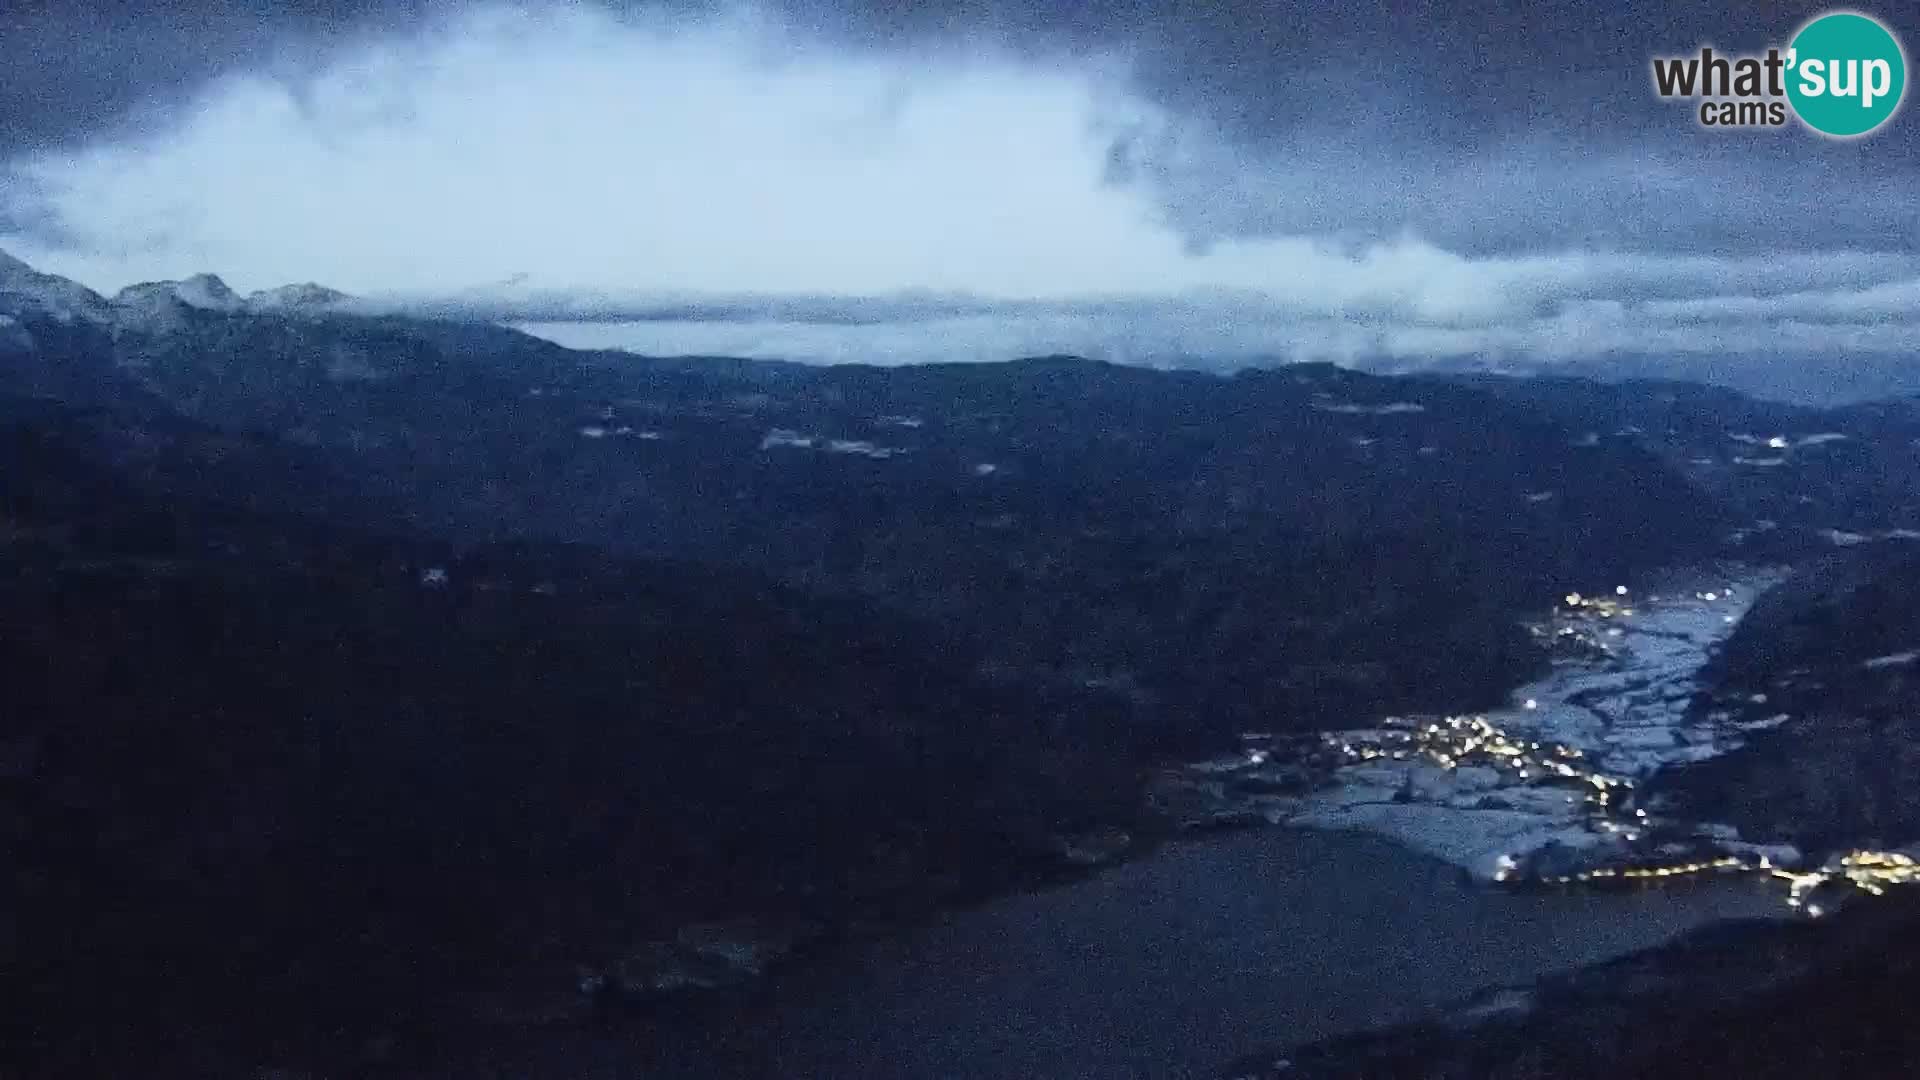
(1305, 534)
(1788, 378)
(209, 293)
(1172, 533)
(23, 286)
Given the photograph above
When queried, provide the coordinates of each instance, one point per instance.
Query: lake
(1166, 967)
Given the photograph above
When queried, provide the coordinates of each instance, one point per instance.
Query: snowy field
(1545, 788)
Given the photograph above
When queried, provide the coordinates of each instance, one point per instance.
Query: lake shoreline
(1169, 965)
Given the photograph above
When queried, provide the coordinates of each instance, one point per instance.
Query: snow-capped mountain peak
(24, 288)
(204, 291)
(305, 296)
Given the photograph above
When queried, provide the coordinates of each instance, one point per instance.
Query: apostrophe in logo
(1843, 75)
(1846, 74)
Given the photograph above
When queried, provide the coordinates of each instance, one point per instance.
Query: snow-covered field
(1545, 787)
(1626, 708)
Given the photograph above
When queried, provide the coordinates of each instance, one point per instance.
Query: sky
(1150, 181)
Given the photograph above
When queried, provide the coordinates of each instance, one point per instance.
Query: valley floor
(1545, 790)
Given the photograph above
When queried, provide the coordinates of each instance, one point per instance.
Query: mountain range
(372, 660)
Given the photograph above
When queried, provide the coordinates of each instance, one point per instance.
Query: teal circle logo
(1846, 74)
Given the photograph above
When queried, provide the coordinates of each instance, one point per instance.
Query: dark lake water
(1168, 967)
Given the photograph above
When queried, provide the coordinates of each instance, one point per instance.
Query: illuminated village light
(1454, 742)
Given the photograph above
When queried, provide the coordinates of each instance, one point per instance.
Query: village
(1546, 793)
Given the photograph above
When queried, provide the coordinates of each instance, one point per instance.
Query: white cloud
(1217, 335)
(1893, 300)
(581, 151)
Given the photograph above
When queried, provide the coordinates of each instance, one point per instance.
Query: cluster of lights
(1457, 741)
(1604, 606)
(1640, 873)
(1454, 742)
(1575, 615)
(1616, 607)
(1869, 871)
(1872, 872)
(1475, 736)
